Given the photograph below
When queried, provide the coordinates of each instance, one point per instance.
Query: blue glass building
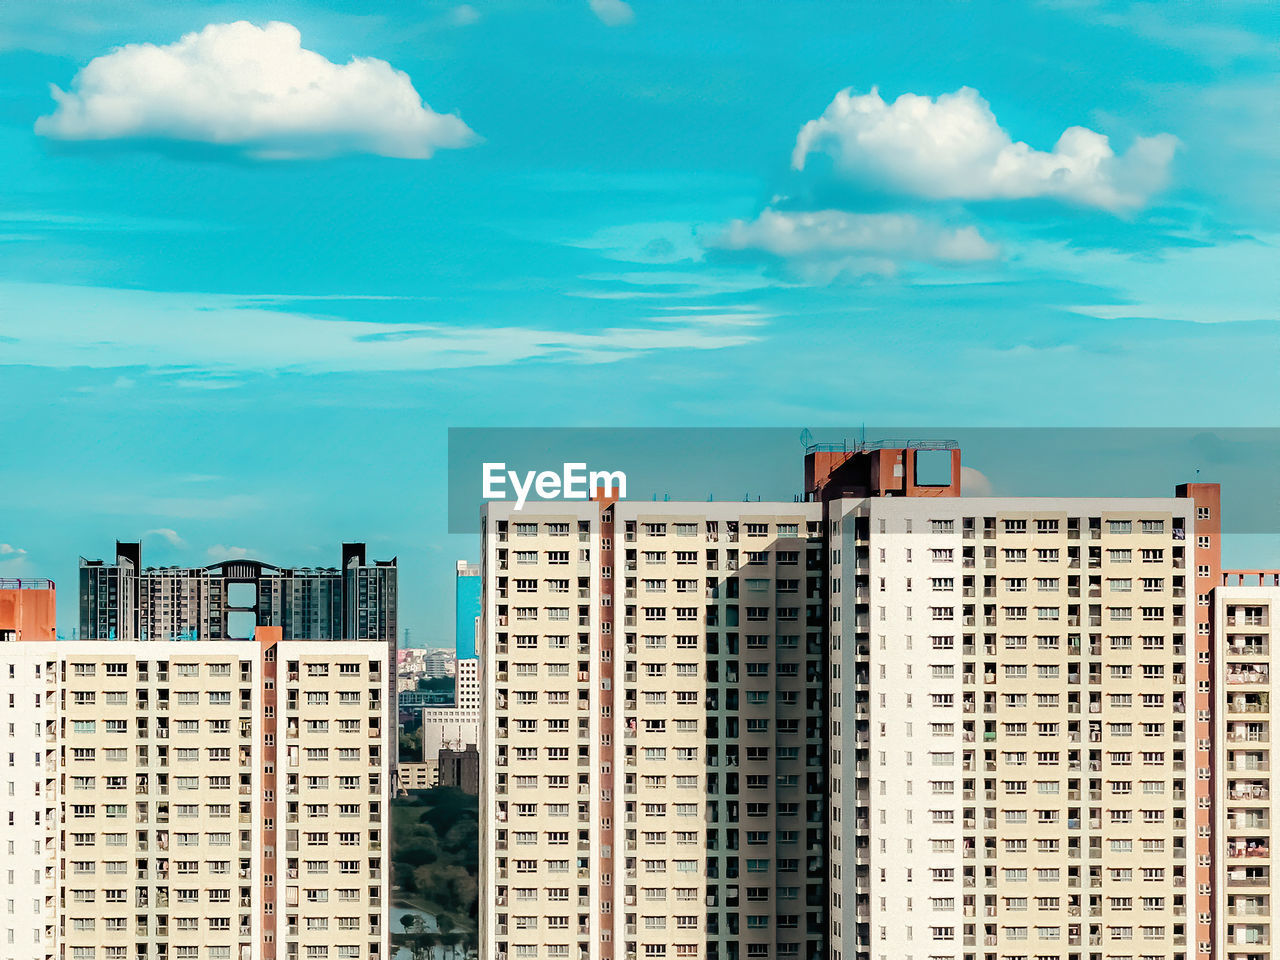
(466, 609)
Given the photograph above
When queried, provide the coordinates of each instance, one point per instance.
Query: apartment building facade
(883, 722)
(126, 601)
(208, 799)
(29, 806)
(654, 723)
(1244, 804)
(1012, 738)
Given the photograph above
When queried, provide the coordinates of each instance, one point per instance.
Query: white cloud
(217, 335)
(168, 534)
(974, 483)
(613, 13)
(835, 241)
(254, 89)
(464, 15)
(9, 550)
(1187, 27)
(220, 552)
(953, 147)
(1231, 281)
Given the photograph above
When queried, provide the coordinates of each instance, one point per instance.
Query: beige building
(1010, 736)
(29, 804)
(886, 722)
(653, 722)
(211, 799)
(416, 776)
(1245, 804)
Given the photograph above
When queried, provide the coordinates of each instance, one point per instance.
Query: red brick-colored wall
(31, 611)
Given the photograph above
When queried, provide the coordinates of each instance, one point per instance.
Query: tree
(424, 944)
(435, 858)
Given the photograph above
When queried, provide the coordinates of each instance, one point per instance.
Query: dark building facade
(229, 600)
(460, 768)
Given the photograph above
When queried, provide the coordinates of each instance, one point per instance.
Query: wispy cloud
(1237, 281)
(1200, 30)
(658, 242)
(861, 243)
(716, 318)
(159, 506)
(167, 534)
(667, 283)
(218, 336)
(13, 560)
(219, 552)
(612, 13)
(464, 15)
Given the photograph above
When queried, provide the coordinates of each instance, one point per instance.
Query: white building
(29, 804)
(226, 800)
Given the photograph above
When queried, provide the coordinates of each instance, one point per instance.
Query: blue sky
(244, 316)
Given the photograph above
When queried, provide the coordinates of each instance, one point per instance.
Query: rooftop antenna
(806, 438)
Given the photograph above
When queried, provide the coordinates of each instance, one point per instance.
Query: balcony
(1247, 674)
(1248, 791)
(1240, 847)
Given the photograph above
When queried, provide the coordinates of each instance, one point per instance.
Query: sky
(257, 258)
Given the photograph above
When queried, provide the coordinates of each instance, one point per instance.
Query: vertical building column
(605, 817)
(1206, 556)
(268, 638)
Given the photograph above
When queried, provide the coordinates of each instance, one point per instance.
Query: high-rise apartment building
(654, 731)
(1243, 904)
(228, 600)
(205, 799)
(29, 806)
(1010, 726)
(882, 722)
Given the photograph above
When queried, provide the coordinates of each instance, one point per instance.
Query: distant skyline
(235, 318)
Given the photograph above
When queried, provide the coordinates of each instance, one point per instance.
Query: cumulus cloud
(9, 550)
(953, 147)
(974, 483)
(167, 534)
(253, 89)
(855, 242)
(613, 13)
